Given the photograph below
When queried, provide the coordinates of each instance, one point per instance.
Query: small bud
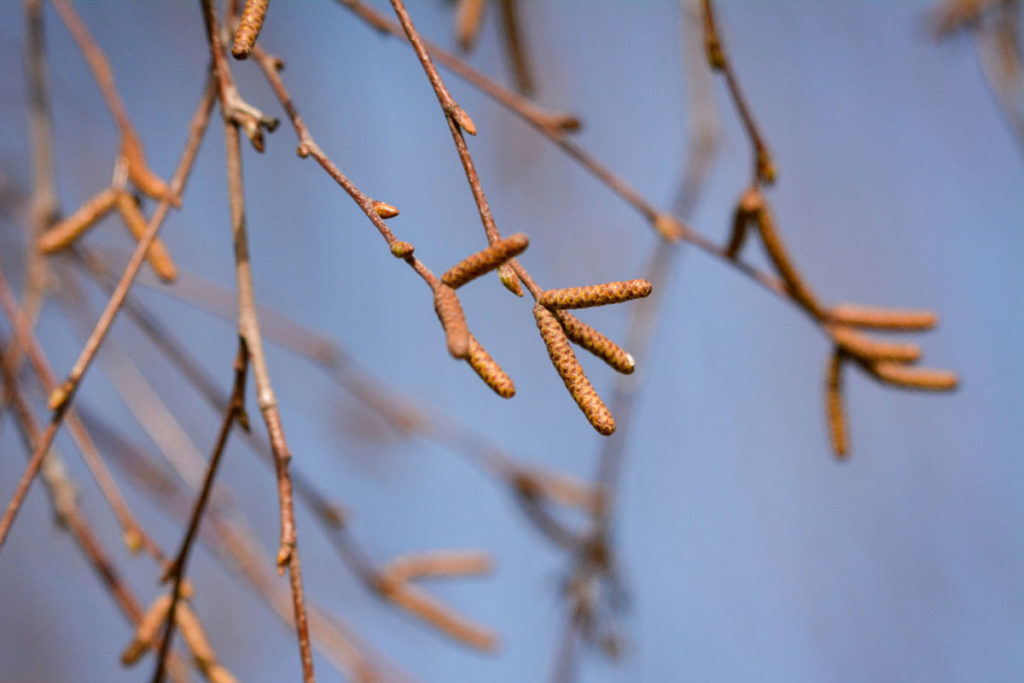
(670, 229)
(60, 395)
(509, 279)
(384, 210)
(460, 117)
(132, 540)
(402, 249)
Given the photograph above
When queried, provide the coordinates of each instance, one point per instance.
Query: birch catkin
(595, 295)
(901, 375)
(468, 16)
(777, 252)
(882, 318)
(249, 28)
(141, 175)
(571, 372)
(865, 347)
(475, 265)
(449, 312)
(158, 256)
(746, 210)
(63, 234)
(489, 370)
(147, 630)
(834, 409)
(595, 342)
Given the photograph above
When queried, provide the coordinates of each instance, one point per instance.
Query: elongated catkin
(453, 320)
(475, 265)
(571, 372)
(468, 15)
(862, 346)
(790, 275)
(148, 182)
(158, 256)
(595, 295)
(930, 379)
(63, 234)
(883, 318)
(249, 28)
(489, 370)
(147, 630)
(834, 409)
(595, 342)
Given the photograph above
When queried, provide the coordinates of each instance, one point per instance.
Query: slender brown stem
(65, 392)
(521, 71)
(44, 205)
(249, 331)
(135, 535)
(232, 413)
(98, 63)
(764, 168)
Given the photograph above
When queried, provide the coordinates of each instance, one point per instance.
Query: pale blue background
(750, 554)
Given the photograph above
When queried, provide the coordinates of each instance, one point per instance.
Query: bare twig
(176, 572)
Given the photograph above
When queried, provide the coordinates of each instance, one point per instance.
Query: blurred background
(747, 552)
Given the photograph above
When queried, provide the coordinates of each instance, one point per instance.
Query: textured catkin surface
(596, 295)
(595, 342)
(564, 360)
(449, 312)
(489, 370)
(475, 265)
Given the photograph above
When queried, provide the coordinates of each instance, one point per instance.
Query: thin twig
(234, 410)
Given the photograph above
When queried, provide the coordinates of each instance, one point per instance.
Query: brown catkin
(475, 265)
(746, 210)
(194, 635)
(900, 375)
(571, 372)
(468, 16)
(433, 611)
(149, 183)
(595, 295)
(437, 563)
(595, 342)
(862, 346)
(882, 318)
(63, 234)
(489, 370)
(449, 312)
(834, 409)
(158, 256)
(147, 630)
(249, 28)
(794, 282)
